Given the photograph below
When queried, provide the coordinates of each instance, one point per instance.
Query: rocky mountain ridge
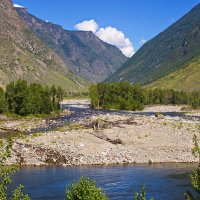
(86, 55)
(24, 55)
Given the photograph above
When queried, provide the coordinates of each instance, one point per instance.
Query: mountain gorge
(85, 54)
(172, 51)
(24, 55)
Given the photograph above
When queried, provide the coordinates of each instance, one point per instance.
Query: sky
(128, 24)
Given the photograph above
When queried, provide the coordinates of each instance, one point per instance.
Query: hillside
(186, 79)
(85, 54)
(24, 55)
(167, 52)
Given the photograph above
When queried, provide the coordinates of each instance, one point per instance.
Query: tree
(10, 97)
(59, 94)
(2, 101)
(24, 99)
(94, 96)
(53, 97)
(85, 189)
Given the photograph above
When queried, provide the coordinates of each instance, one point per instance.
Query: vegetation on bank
(5, 172)
(23, 99)
(84, 189)
(127, 96)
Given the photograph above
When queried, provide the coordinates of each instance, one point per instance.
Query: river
(163, 181)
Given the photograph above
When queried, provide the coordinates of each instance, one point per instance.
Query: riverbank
(110, 139)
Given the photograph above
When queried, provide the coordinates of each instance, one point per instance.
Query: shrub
(85, 189)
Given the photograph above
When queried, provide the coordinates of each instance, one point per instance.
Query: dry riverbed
(110, 139)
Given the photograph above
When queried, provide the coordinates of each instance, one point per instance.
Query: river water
(163, 181)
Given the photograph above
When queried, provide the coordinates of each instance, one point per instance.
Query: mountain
(186, 79)
(171, 50)
(85, 54)
(24, 55)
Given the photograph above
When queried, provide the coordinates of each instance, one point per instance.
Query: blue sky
(137, 19)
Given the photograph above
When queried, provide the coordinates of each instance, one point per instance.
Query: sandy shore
(119, 140)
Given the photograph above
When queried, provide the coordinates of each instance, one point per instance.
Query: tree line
(23, 99)
(127, 96)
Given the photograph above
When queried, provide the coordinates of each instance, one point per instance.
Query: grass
(186, 79)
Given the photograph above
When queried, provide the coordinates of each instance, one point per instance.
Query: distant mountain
(175, 48)
(85, 54)
(24, 55)
(186, 79)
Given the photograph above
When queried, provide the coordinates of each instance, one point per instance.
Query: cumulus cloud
(110, 35)
(87, 25)
(113, 36)
(142, 41)
(18, 6)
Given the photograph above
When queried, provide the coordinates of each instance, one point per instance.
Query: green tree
(10, 97)
(2, 101)
(60, 93)
(85, 189)
(94, 96)
(53, 97)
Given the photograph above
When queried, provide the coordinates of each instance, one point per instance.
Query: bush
(85, 189)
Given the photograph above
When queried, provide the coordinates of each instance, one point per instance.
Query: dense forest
(127, 96)
(23, 99)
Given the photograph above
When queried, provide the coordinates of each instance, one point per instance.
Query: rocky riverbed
(110, 139)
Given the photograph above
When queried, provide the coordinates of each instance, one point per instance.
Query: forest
(22, 98)
(127, 96)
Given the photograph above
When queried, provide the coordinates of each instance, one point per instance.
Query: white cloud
(142, 41)
(113, 36)
(87, 25)
(110, 35)
(18, 6)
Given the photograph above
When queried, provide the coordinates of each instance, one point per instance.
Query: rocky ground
(110, 139)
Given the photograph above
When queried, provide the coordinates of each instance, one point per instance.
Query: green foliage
(24, 99)
(141, 195)
(122, 96)
(6, 171)
(85, 189)
(195, 175)
(2, 101)
(126, 96)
